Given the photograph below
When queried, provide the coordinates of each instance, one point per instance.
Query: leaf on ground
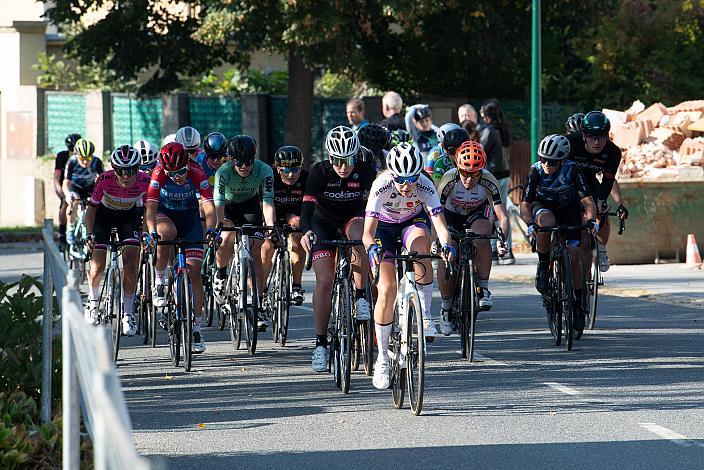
(201, 426)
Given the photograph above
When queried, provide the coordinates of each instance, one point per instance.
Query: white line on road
(484, 358)
(668, 434)
(563, 388)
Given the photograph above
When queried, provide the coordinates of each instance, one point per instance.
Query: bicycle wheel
(272, 298)
(209, 304)
(567, 299)
(593, 290)
(174, 338)
(334, 337)
(185, 306)
(398, 373)
(366, 335)
(465, 311)
(284, 309)
(473, 310)
(143, 318)
(346, 335)
(552, 303)
(415, 356)
(248, 284)
(116, 312)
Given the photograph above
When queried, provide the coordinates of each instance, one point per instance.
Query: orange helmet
(470, 157)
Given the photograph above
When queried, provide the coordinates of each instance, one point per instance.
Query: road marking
(669, 434)
(302, 307)
(562, 388)
(484, 358)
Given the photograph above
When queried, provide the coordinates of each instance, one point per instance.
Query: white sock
(383, 332)
(160, 276)
(196, 324)
(128, 304)
(425, 294)
(94, 294)
(447, 304)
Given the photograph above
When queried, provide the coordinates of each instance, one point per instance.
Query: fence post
(70, 401)
(47, 326)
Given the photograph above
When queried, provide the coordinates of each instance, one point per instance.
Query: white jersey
(387, 204)
(456, 198)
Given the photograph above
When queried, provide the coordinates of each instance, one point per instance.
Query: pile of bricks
(658, 137)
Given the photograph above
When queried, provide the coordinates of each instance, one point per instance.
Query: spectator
(355, 113)
(495, 137)
(391, 106)
(471, 128)
(466, 112)
(419, 123)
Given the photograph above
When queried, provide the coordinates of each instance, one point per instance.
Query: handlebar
(621, 222)
(247, 229)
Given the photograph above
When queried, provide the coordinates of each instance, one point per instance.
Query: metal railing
(89, 379)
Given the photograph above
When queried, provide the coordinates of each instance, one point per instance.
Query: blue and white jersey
(557, 190)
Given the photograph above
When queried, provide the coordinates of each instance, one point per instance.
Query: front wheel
(185, 306)
(415, 357)
(398, 370)
(567, 300)
(345, 334)
(593, 290)
(115, 313)
(248, 286)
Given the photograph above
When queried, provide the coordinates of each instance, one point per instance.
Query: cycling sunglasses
(339, 161)
(406, 179)
(470, 174)
(214, 157)
(84, 159)
(240, 163)
(125, 172)
(178, 173)
(289, 170)
(549, 162)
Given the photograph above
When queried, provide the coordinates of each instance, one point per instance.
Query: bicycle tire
(174, 337)
(567, 298)
(285, 307)
(116, 312)
(251, 306)
(209, 303)
(346, 335)
(367, 335)
(593, 286)
(273, 296)
(398, 373)
(415, 357)
(186, 311)
(334, 337)
(555, 308)
(143, 327)
(473, 311)
(464, 310)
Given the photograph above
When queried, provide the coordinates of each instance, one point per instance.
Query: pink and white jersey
(387, 204)
(113, 196)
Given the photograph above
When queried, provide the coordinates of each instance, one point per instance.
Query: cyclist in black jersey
(334, 200)
(59, 169)
(289, 185)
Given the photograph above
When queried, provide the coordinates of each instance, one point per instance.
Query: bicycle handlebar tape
(309, 259)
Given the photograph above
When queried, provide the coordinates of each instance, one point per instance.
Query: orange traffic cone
(693, 257)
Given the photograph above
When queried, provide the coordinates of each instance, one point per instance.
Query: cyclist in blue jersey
(213, 155)
(82, 169)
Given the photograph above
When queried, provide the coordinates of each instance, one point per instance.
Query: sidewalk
(664, 283)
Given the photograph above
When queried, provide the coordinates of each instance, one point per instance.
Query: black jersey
(83, 179)
(333, 198)
(60, 163)
(606, 163)
(289, 197)
(559, 190)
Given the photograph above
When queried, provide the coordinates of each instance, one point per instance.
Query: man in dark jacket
(391, 106)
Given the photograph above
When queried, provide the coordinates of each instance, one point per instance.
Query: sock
(160, 276)
(93, 294)
(543, 257)
(483, 283)
(383, 332)
(196, 324)
(296, 285)
(321, 340)
(222, 273)
(128, 303)
(425, 294)
(447, 304)
(62, 230)
(360, 293)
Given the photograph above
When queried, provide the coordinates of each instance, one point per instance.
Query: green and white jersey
(231, 188)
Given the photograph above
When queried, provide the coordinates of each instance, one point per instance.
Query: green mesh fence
(217, 114)
(65, 114)
(134, 119)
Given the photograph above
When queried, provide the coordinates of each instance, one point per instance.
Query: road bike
(145, 311)
(77, 255)
(363, 342)
(211, 308)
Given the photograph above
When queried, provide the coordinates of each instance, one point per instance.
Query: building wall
(20, 10)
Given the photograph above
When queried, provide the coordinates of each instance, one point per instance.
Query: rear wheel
(415, 357)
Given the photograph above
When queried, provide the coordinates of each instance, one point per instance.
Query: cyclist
(398, 136)
(573, 124)
(451, 141)
(189, 137)
(470, 196)
(556, 192)
(334, 200)
(168, 139)
(82, 169)
(419, 123)
(594, 153)
(376, 139)
(59, 169)
(117, 202)
(149, 154)
(438, 152)
(213, 155)
(240, 183)
(402, 204)
(172, 212)
(289, 185)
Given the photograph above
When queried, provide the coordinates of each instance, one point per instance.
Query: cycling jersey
(387, 204)
(460, 200)
(83, 179)
(434, 155)
(179, 197)
(335, 199)
(60, 163)
(110, 194)
(289, 197)
(425, 140)
(232, 188)
(438, 163)
(558, 190)
(606, 162)
(202, 160)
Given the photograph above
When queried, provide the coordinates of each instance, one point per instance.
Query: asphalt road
(630, 395)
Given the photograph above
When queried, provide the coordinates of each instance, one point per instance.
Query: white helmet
(147, 151)
(342, 142)
(168, 139)
(554, 147)
(404, 160)
(125, 156)
(188, 137)
(445, 128)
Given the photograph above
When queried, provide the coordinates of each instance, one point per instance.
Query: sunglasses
(178, 173)
(339, 161)
(241, 163)
(125, 172)
(85, 159)
(470, 174)
(549, 162)
(289, 170)
(406, 179)
(214, 157)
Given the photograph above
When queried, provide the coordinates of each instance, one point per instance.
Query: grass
(37, 229)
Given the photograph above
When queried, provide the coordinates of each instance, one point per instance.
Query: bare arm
(527, 211)
(150, 215)
(502, 215)
(90, 218)
(589, 207)
(211, 218)
(269, 214)
(370, 224)
(57, 183)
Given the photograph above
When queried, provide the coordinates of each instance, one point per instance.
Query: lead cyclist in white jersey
(400, 200)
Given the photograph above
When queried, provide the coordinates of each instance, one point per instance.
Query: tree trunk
(299, 112)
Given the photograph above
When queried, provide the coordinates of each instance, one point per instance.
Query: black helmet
(595, 123)
(453, 139)
(574, 123)
(422, 113)
(215, 145)
(399, 136)
(71, 140)
(288, 156)
(374, 137)
(242, 147)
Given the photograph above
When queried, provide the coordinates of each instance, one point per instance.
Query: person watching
(391, 108)
(355, 114)
(419, 123)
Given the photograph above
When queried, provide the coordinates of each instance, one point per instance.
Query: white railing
(88, 376)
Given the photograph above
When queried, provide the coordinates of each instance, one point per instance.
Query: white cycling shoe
(382, 374)
(159, 295)
(485, 302)
(363, 310)
(321, 357)
(604, 263)
(219, 289)
(445, 323)
(91, 315)
(429, 330)
(129, 327)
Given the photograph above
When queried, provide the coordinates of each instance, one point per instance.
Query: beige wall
(25, 186)
(20, 10)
